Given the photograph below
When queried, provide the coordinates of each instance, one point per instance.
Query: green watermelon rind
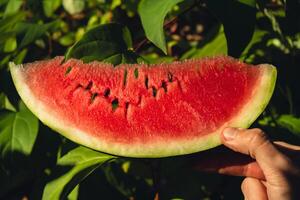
(163, 148)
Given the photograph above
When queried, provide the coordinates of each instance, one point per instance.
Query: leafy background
(36, 163)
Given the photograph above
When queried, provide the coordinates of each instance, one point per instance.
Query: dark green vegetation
(36, 163)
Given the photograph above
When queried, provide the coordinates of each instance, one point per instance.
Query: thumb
(254, 142)
(253, 189)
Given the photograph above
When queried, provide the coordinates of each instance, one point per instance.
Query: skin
(271, 169)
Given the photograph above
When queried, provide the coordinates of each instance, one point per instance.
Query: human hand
(273, 172)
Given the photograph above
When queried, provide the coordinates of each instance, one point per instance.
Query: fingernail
(229, 133)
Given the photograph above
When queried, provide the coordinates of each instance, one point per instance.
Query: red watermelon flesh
(145, 110)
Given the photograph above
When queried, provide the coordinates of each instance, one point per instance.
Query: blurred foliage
(36, 163)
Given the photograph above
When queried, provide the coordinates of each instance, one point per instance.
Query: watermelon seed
(125, 78)
(179, 86)
(140, 100)
(79, 86)
(126, 109)
(146, 82)
(170, 77)
(136, 73)
(106, 92)
(68, 70)
(164, 85)
(154, 91)
(62, 61)
(94, 95)
(115, 104)
(89, 86)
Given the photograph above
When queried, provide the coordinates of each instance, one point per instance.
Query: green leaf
(20, 56)
(256, 38)
(153, 58)
(50, 6)
(5, 36)
(290, 122)
(4, 61)
(115, 3)
(214, 44)
(81, 155)
(83, 161)
(73, 6)
(238, 19)
(74, 194)
(30, 32)
(152, 15)
(10, 44)
(110, 42)
(67, 39)
(5, 103)
(251, 3)
(8, 23)
(3, 2)
(12, 7)
(18, 131)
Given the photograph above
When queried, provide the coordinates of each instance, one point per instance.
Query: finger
(251, 169)
(254, 142)
(225, 161)
(253, 189)
(228, 162)
(287, 147)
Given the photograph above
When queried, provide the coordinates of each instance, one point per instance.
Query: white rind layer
(162, 148)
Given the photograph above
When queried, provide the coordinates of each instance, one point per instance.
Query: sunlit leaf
(73, 6)
(50, 6)
(154, 58)
(67, 39)
(10, 44)
(152, 15)
(12, 7)
(81, 163)
(74, 194)
(290, 122)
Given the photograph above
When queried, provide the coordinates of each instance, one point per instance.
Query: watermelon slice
(145, 110)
